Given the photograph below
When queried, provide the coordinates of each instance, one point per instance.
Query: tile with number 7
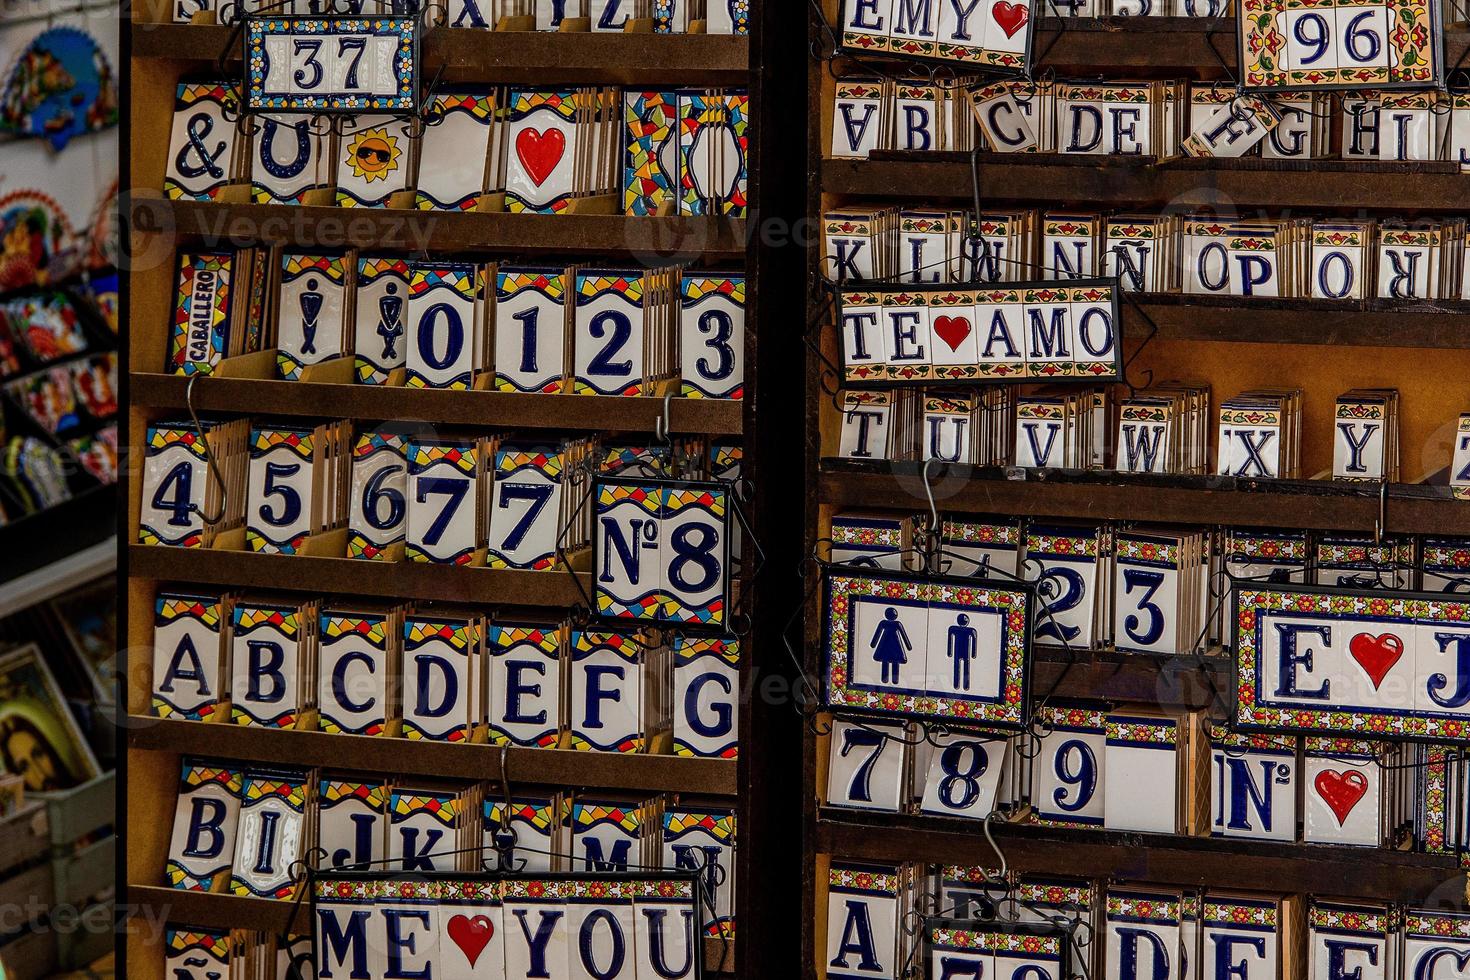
(525, 507)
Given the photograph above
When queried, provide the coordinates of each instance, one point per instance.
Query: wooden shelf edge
(212, 911)
(1105, 180)
(1105, 495)
(500, 409)
(365, 753)
(642, 240)
(354, 577)
(1397, 876)
(1185, 682)
(469, 55)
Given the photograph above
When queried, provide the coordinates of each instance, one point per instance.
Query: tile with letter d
(440, 661)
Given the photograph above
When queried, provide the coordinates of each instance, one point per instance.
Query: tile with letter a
(186, 656)
(862, 922)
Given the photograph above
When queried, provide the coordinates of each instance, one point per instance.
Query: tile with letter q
(1069, 774)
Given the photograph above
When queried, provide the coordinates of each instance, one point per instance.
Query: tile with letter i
(704, 841)
(712, 324)
(607, 682)
(175, 474)
(202, 953)
(188, 651)
(280, 491)
(380, 323)
(526, 507)
(524, 667)
(202, 846)
(271, 657)
(1253, 780)
(353, 824)
(354, 665)
(1068, 777)
(706, 704)
(202, 144)
(203, 329)
(531, 336)
(377, 504)
(444, 492)
(312, 316)
(441, 667)
(606, 834)
(422, 829)
(446, 323)
(863, 921)
(272, 833)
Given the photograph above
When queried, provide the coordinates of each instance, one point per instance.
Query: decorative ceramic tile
(377, 503)
(440, 657)
(353, 824)
(526, 507)
(350, 64)
(352, 686)
(606, 683)
(1068, 774)
(530, 339)
(443, 480)
(712, 328)
(265, 681)
(279, 489)
(271, 835)
(383, 289)
(443, 325)
(539, 173)
(524, 664)
(174, 476)
(1253, 782)
(866, 765)
(703, 841)
(312, 313)
(288, 157)
(421, 830)
(455, 151)
(203, 841)
(186, 656)
(862, 921)
(706, 697)
(201, 148)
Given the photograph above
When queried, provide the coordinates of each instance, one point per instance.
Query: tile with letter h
(189, 658)
(865, 910)
(1253, 786)
(1357, 939)
(661, 551)
(703, 840)
(706, 697)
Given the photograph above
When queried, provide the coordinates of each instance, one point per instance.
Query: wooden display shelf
(1069, 180)
(214, 911)
(498, 409)
(1154, 47)
(366, 753)
(648, 241)
(1185, 682)
(1217, 862)
(1106, 495)
(351, 576)
(1371, 323)
(494, 57)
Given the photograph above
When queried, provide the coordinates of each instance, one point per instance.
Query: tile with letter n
(661, 551)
